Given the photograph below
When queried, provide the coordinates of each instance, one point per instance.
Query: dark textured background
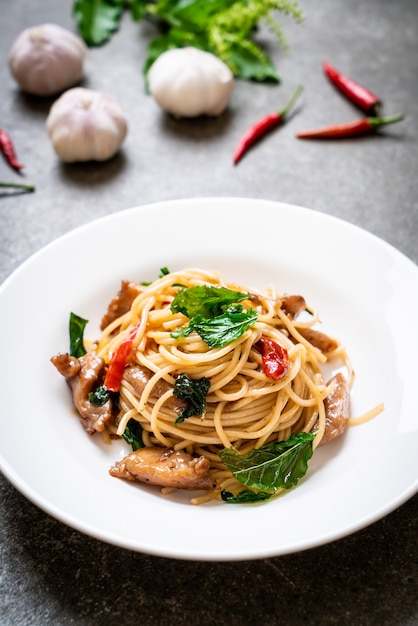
(53, 575)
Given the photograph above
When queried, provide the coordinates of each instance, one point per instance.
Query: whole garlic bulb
(46, 59)
(86, 125)
(188, 82)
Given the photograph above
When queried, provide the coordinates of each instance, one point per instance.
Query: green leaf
(100, 396)
(138, 9)
(246, 495)
(221, 330)
(133, 434)
(194, 392)
(195, 13)
(97, 19)
(205, 300)
(76, 328)
(273, 466)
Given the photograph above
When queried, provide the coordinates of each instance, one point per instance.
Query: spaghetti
(263, 381)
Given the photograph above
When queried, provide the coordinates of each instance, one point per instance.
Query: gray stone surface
(53, 575)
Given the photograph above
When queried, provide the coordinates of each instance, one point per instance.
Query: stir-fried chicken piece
(67, 365)
(139, 376)
(83, 376)
(122, 302)
(165, 467)
(292, 305)
(337, 409)
(320, 340)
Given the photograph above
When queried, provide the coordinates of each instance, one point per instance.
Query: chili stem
(375, 122)
(291, 102)
(23, 186)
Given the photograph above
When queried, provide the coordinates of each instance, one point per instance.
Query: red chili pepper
(8, 150)
(359, 95)
(363, 126)
(275, 358)
(262, 127)
(118, 361)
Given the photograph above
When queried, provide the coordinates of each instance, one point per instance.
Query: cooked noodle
(245, 408)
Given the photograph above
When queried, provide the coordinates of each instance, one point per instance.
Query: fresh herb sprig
(194, 393)
(225, 28)
(133, 434)
(206, 300)
(77, 325)
(277, 465)
(214, 314)
(218, 331)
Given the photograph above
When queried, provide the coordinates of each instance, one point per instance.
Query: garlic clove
(46, 59)
(188, 82)
(86, 125)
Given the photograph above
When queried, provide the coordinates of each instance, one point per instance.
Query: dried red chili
(276, 362)
(356, 93)
(262, 127)
(8, 150)
(118, 361)
(362, 126)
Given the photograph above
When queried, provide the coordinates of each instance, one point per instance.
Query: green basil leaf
(195, 13)
(273, 466)
(133, 434)
(221, 330)
(97, 19)
(138, 9)
(76, 328)
(100, 396)
(205, 300)
(194, 392)
(246, 495)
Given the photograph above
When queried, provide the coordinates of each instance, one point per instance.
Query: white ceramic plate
(365, 291)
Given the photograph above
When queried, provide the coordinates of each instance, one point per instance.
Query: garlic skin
(46, 59)
(188, 82)
(86, 125)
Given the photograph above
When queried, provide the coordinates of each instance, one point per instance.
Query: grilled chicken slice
(165, 467)
(337, 409)
(319, 340)
(122, 302)
(292, 305)
(138, 376)
(83, 376)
